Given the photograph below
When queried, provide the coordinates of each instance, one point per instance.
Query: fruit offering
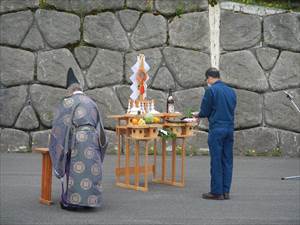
(135, 121)
(141, 122)
(156, 119)
(148, 118)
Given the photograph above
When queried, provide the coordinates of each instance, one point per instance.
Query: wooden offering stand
(149, 133)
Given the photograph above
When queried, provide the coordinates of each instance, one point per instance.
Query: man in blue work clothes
(218, 105)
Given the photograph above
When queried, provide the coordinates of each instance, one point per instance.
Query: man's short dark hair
(72, 88)
(212, 72)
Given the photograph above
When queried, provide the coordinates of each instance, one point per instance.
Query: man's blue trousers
(220, 142)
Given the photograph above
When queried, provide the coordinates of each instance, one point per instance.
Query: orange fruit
(135, 121)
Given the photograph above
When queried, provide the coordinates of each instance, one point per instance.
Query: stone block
(289, 143)
(171, 7)
(286, 73)
(164, 80)
(151, 31)
(58, 28)
(14, 26)
(129, 18)
(279, 111)
(123, 92)
(261, 140)
(239, 31)
(282, 31)
(189, 99)
(267, 57)
(17, 66)
(12, 140)
(53, 66)
(40, 139)
(106, 69)
(240, 69)
(85, 55)
(188, 66)
(33, 39)
(104, 30)
(27, 119)
(15, 5)
(190, 31)
(249, 110)
(45, 100)
(12, 101)
(86, 6)
(142, 5)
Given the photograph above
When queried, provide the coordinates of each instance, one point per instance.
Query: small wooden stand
(46, 178)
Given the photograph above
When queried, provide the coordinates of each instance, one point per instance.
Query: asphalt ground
(258, 196)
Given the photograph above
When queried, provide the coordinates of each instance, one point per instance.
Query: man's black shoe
(69, 208)
(211, 196)
(226, 196)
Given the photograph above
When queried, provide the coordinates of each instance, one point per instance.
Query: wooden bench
(46, 178)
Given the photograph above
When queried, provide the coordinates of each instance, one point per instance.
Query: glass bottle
(170, 103)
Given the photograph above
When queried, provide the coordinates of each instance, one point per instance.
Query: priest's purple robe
(77, 148)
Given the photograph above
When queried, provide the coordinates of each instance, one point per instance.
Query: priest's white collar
(77, 92)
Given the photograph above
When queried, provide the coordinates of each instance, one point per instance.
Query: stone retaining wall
(40, 40)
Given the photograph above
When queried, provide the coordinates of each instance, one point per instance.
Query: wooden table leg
(183, 161)
(173, 172)
(46, 186)
(137, 163)
(127, 162)
(118, 134)
(146, 165)
(163, 166)
(154, 160)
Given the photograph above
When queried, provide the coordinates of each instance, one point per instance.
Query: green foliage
(148, 118)
(169, 136)
(179, 9)
(99, 9)
(178, 150)
(149, 5)
(281, 4)
(189, 113)
(276, 152)
(250, 152)
(213, 2)
(151, 150)
(43, 4)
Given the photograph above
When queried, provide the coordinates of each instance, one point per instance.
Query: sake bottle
(170, 103)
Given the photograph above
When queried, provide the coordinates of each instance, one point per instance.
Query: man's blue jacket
(218, 105)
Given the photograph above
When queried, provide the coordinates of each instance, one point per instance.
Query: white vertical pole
(214, 24)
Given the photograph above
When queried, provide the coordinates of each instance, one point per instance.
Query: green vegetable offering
(148, 118)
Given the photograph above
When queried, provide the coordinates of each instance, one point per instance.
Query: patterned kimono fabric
(77, 149)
